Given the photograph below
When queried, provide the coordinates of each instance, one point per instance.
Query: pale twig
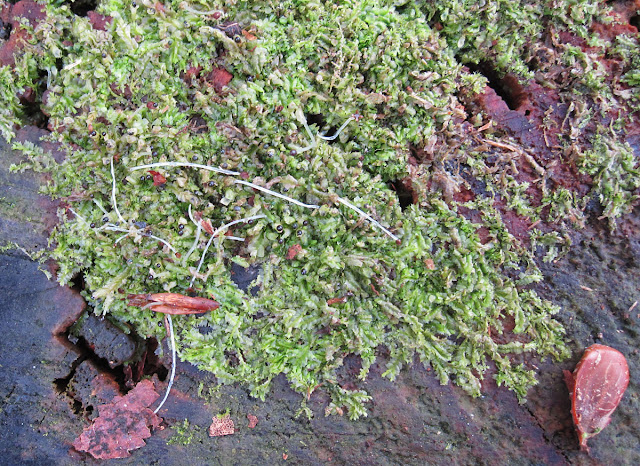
(113, 192)
(173, 364)
(185, 164)
(273, 193)
(215, 233)
(112, 227)
(344, 125)
(368, 217)
(312, 138)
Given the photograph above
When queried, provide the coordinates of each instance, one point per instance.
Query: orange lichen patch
(122, 425)
(247, 35)
(253, 421)
(221, 426)
(294, 251)
(333, 301)
(158, 178)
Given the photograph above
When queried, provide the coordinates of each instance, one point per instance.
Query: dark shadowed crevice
(243, 277)
(31, 102)
(319, 121)
(507, 86)
(82, 7)
(635, 21)
(95, 341)
(405, 192)
(434, 21)
(5, 30)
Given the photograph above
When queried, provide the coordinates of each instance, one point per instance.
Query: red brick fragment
(221, 426)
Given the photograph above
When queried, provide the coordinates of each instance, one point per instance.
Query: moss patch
(251, 88)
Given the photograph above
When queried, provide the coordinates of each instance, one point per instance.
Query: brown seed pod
(172, 303)
(596, 387)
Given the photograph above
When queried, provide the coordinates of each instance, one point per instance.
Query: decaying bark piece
(122, 424)
(596, 387)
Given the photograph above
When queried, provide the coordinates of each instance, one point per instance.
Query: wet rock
(31, 308)
(90, 387)
(107, 341)
(26, 217)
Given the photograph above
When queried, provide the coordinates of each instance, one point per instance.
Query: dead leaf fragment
(218, 78)
(122, 425)
(221, 426)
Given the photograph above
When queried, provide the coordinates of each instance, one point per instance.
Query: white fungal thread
(186, 164)
(195, 242)
(173, 364)
(215, 233)
(368, 217)
(113, 192)
(273, 193)
(344, 125)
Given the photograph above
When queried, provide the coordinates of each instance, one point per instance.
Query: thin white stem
(121, 238)
(273, 193)
(78, 215)
(186, 7)
(344, 125)
(95, 201)
(312, 138)
(234, 238)
(204, 253)
(147, 235)
(368, 217)
(166, 243)
(195, 242)
(113, 192)
(215, 233)
(173, 363)
(112, 227)
(185, 164)
(150, 305)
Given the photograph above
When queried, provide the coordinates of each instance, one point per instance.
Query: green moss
(144, 91)
(184, 434)
(615, 172)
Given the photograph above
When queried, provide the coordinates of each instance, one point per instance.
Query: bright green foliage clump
(616, 175)
(147, 91)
